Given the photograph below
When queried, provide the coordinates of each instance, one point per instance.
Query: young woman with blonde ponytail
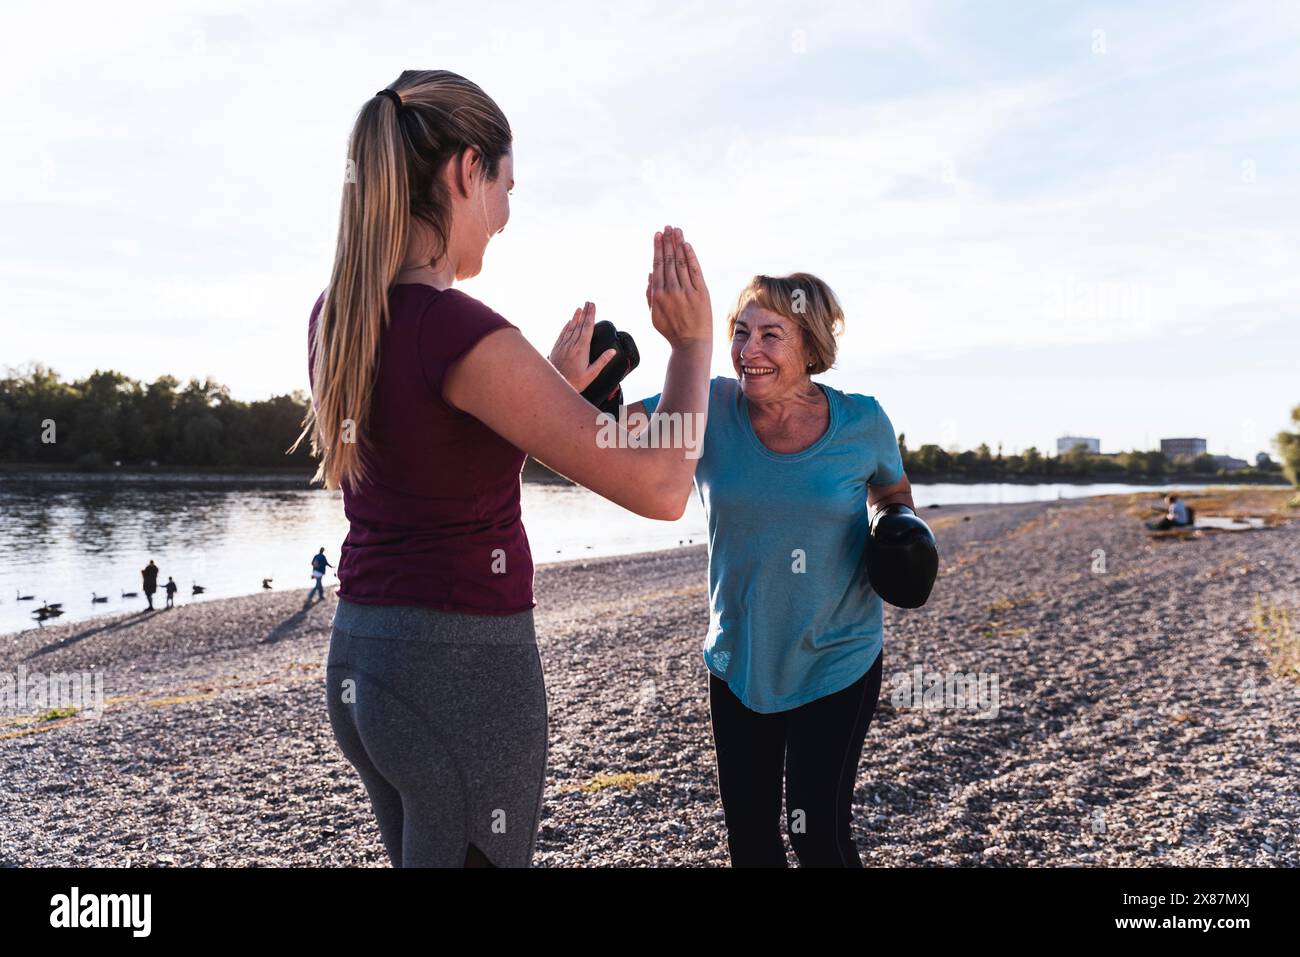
(424, 405)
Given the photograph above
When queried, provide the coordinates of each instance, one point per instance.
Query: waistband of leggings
(433, 625)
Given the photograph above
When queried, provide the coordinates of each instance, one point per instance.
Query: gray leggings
(444, 716)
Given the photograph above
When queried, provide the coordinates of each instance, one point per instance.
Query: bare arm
(512, 389)
(636, 425)
(900, 491)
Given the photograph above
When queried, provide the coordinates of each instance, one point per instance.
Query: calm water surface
(64, 537)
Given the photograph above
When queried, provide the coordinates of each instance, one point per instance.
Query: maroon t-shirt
(438, 524)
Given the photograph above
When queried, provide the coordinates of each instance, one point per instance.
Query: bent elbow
(674, 504)
(666, 503)
(674, 510)
(663, 492)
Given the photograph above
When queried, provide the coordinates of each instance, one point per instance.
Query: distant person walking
(318, 565)
(150, 575)
(170, 589)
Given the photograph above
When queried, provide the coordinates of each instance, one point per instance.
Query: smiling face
(481, 215)
(769, 354)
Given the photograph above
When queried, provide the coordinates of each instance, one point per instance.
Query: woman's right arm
(512, 389)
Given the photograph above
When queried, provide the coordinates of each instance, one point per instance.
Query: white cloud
(172, 172)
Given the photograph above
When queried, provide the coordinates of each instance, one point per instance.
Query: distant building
(1229, 463)
(1182, 448)
(1068, 442)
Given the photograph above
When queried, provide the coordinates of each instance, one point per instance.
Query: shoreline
(1121, 701)
(935, 514)
(217, 476)
(536, 473)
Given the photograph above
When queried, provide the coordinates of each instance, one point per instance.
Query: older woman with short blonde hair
(794, 648)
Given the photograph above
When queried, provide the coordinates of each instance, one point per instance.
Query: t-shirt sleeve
(453, 324)
(889, 463)
(653, 402)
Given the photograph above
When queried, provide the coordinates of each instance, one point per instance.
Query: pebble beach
(1143, 717)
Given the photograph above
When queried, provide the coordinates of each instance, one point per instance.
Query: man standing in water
(318, 565)
(150, 575)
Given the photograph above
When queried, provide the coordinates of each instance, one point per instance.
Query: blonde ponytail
(395, 158)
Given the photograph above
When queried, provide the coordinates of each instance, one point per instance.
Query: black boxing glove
(604, 392)
(902, 559)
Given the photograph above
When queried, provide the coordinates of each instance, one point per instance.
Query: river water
(65, 537)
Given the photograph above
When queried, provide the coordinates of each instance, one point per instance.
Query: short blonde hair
(806, 301)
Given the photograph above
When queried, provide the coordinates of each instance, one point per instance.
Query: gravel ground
(1138, 724)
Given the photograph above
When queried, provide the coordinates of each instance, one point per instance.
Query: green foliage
(1204, 464)
(931, 461)
(1288, 446)
(931, 458)
(108, 417)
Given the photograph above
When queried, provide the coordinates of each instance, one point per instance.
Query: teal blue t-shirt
(792, 617)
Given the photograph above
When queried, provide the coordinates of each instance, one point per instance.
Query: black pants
(1165, 523)
(816, 748)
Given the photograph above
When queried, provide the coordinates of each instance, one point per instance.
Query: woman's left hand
(573, 347)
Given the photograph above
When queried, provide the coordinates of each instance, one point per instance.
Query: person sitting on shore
(1175, 515)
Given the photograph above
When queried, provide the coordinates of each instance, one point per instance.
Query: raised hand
(572, 349)
(678, 298)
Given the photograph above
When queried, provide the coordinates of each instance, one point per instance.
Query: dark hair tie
(392, 95)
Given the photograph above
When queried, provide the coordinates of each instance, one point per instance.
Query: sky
(1042, 219)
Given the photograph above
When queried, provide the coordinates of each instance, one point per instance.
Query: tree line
(933, 462)
(109, 418)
